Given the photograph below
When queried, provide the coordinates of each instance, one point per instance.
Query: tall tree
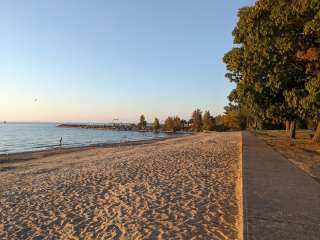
(208, 121)
(173, 124)
(270, 78)
(142, 123)
(156, 125)
(232, 120)
(177, 123)
(169, 124)
(309, 55)
(197, 120)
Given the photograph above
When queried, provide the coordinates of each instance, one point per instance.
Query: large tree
(208, 121)
(156, 125)
(309, 55)
(197, 120)
(271, 80)
(142, 123)
(232, 120)
(173, 124)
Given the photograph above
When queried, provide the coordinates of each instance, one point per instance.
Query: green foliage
(219, 120)
(233, 120)
(275, 63)
(156, 125)
(143, 123)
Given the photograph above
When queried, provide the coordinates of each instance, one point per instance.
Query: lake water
(25, 137)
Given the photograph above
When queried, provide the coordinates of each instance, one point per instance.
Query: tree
(177, 123)
(312, 104)
(232, 120)
(143, 123)
(173, 124)
(270, 79)
(208, 121)
(309, 55)
(197, 120)
(156, 125)
(169, 124)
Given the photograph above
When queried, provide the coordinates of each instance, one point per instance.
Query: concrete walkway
(280, 201)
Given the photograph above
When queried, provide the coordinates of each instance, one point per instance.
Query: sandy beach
(183, 188)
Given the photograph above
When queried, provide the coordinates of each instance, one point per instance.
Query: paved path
(281, 201)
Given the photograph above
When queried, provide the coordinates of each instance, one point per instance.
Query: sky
(96, 60)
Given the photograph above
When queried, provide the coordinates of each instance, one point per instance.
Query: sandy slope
(175, 189)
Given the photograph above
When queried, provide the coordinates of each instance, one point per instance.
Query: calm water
(24, 137)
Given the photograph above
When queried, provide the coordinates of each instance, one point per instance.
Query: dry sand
(184, 188)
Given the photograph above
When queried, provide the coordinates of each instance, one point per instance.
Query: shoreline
(37, 154)
(117, 128)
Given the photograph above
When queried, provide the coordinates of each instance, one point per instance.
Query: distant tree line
(171, 124)
(198, 122)
(275, 65)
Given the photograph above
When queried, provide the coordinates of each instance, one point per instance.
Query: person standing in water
(60, 141)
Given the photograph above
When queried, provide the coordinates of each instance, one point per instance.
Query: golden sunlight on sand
(183, 188)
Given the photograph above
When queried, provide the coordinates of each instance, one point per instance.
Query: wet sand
(184, 188)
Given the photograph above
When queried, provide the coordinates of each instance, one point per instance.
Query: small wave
(44, 146)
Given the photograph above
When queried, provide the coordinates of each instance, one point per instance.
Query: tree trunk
(316, 136)
(287, 126)
(292, 133)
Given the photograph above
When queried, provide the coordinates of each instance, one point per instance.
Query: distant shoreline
(116, 127)
(30, 155)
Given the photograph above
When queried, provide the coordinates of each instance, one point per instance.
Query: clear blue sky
(95, 60)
